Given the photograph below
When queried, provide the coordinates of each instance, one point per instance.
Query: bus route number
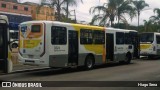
(56, 48)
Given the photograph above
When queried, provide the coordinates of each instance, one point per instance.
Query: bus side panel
(120, 52)
(58, 54)
(158, 49)
(85, 49)
(58, 60)
(81, 58)
(157, 39)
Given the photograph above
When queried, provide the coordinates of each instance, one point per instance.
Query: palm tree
(139, 6)
(124, 7)
(112, 9)
(156, 18)
(70, 3)
(100, 17)
(58, 5)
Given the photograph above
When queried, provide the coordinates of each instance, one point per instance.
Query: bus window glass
(1, 37)
(158, 39)
(98, 37)
(86, 36)
(128, 38)
(36, 28)
(120, 38)
(58, 35)
(146, 37)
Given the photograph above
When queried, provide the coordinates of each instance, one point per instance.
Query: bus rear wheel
(150, 57)
(89, 62)
(14, 45)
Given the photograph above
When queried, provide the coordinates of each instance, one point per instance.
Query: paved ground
(138, 70)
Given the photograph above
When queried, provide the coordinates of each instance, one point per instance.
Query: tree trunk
(59, 10)
(67, 10)
(138, 20)
(112, 19)
(111, 23)
(118, 20)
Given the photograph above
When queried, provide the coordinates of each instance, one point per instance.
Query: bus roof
(66, 24)
(150, 32)
(2, 18)
(121, 30)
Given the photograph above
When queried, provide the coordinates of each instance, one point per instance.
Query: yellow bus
(58, 44)
(150, 44)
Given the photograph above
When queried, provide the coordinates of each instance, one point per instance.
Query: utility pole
(75, 17)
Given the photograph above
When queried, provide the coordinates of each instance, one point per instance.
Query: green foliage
(62, 8)
(139, 5)
(112, 10)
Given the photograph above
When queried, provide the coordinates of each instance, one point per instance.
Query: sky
(82, 10)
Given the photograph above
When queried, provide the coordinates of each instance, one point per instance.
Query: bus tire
(128, 58)
(150, 57)
(89, 62)
(14, 45)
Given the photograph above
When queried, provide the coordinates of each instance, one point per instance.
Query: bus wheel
(128, 58)
(89, 62)
(150, 57)
(14, 45)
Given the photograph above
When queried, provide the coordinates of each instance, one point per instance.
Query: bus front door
(73, 48)
(136, 44)
(109, 46)
(3, 48)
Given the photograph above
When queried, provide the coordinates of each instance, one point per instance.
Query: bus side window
(58, 35)
(86, 36)
(98, 37)
(128, 38)
(120, 38)
(158, 39)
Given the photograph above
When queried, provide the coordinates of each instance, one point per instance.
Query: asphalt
(138, 70)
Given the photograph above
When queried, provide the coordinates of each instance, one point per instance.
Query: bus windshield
(147, 37)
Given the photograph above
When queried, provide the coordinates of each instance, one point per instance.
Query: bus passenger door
(3, 48)
(136, 44)
(109, 46)
(73, 48)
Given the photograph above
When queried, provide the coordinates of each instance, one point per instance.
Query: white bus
(150, 44)
(122, 44)
(58, 44)
(5, 51)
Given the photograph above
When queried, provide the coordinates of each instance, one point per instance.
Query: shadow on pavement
(59, 71)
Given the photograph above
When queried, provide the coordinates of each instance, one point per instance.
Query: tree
(70, 3)
(111, 10)
(139, 6)
(147, 25)
(59, 5)
(156, 18)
